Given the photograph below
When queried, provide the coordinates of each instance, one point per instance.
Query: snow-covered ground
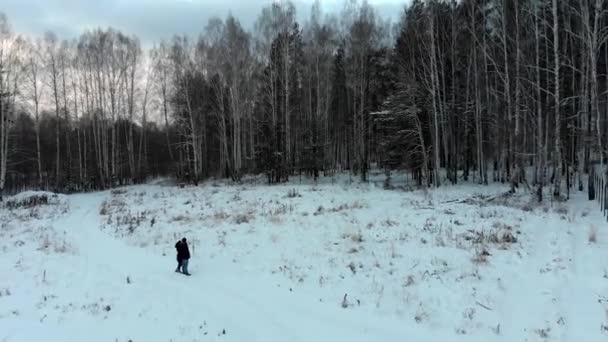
(303, 262)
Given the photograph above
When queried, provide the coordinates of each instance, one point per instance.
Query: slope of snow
(460, 263)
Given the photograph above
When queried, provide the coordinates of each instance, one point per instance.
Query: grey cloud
(150, 20)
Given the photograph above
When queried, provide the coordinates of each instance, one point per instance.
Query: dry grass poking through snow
(25, 221)
(50, 242)
(481, 256)
(592, 234)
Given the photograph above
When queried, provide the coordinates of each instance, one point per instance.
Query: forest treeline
(486, 90)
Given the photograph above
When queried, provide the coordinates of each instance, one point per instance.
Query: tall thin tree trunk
(68, 152)
(557, 157)
(433, 69)
(508, 154)
(540, 171)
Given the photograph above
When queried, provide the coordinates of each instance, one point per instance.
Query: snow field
(302, 262)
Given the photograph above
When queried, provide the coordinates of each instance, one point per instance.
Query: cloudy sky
(150, 20)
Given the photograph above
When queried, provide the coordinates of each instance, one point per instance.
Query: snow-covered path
(557, 288)
(525, 289)
(585, 285)
(246, 309)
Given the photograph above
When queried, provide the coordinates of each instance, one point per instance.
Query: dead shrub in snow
(343, 206)
(344, 301)
(352, 267)
(320, 210)
(221, 238)
(592, 234)
(62, 247)
(29, 201)
(409, 281)
(429, 225)
(496, 329)
(439, 242)
(529, 206)
(390, 223)
(130, 221)
(281, 209)
(116, 192)
(114, 205)
(421, 314)
(276, 219)
(181, 218)
(501, 236)
(45, 243)
(245, 217)
(105, 208)
(469, 314)
(220, 216)
(444, 236)
(561, 209)
(570, 217)
(34, 213)
(481, 256)
(53, 243)
(293, 193)
(543, 333)
(486, 214)
(501, 225)
(507, 237)
(356, 237)
(604, 326)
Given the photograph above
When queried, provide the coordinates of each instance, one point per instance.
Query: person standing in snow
(183, 255)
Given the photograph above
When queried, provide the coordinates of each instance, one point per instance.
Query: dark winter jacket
(183, 252)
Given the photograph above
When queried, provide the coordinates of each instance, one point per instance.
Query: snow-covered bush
(32, 199)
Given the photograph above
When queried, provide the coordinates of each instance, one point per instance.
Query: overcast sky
(150, 20)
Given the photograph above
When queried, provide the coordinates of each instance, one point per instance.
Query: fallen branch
(484, 306)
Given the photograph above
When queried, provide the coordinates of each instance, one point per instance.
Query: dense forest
(476, 90)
